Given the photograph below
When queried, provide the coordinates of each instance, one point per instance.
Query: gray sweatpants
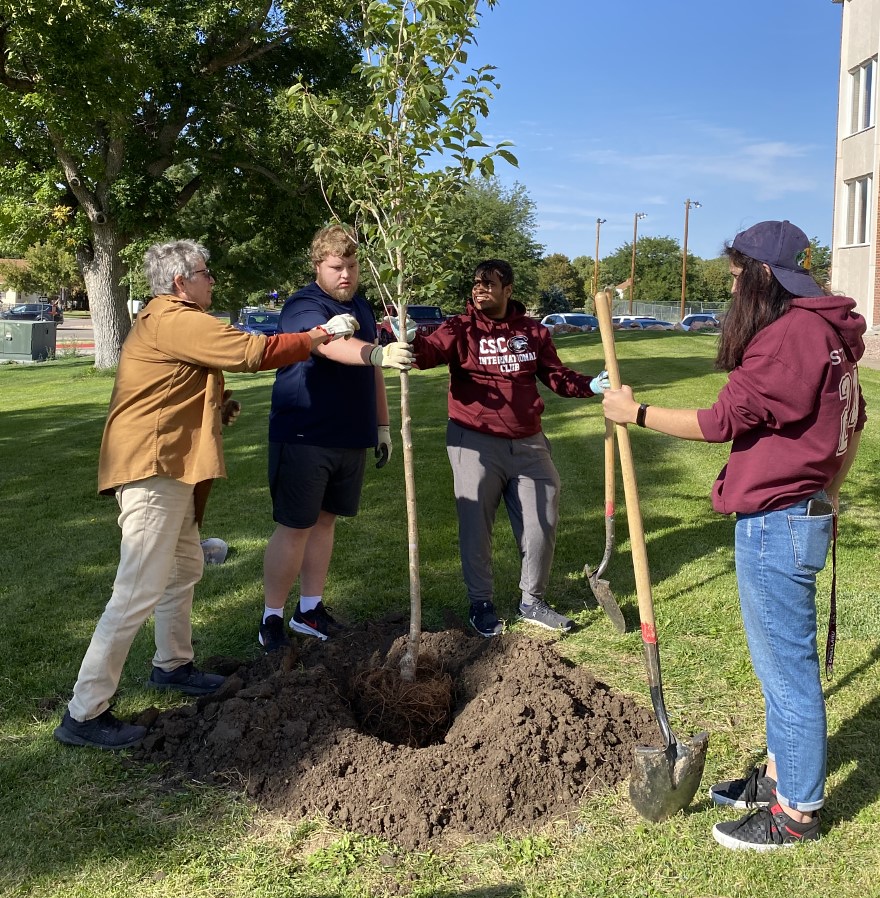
(487, 469)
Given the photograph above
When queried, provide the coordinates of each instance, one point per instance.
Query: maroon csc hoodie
(494, 367)
(790, 408)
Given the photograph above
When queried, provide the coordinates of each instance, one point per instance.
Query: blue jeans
(778, 554)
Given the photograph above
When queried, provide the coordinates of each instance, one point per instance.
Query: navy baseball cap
(778, 244)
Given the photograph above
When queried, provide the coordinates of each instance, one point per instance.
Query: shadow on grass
(855, 741)
(83, 809)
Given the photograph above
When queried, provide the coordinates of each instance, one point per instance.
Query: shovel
(664, 780)
(601, 588)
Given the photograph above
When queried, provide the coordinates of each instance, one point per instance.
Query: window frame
(859, 202)
(863, 96)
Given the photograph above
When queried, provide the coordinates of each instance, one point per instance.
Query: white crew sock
(309, 603)
(268, 612)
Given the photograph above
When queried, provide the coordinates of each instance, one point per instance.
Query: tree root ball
(415, 714)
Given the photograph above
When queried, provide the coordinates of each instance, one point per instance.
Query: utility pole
(684, 255)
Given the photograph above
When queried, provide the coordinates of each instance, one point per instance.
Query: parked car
(654, 323)
(426, 318)
(702, 320)
(35, 311)
(569, 322)
(628, 320)
(259, 322)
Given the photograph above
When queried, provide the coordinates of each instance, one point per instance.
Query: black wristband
(640, 414)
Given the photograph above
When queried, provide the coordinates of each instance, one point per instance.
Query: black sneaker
(104, 731)
(316, 622)
(757, 790)
(542, 615)
(765, 829)
(272, 635)
(484, 619)
(185, 679)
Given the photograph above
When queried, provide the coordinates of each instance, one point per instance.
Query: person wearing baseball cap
(793, 411)
(778, 244)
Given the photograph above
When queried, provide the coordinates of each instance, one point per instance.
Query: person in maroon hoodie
(794, 412)
(496, 354)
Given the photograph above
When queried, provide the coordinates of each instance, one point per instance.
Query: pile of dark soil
(530, 737)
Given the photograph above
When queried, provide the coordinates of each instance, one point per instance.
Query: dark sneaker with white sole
(186, 679)
(104, 731)
(765, 829)
(317, 622)
(757, 790)
(542, 615)
(484, 619)
(272, 635)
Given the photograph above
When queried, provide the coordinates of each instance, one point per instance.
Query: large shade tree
(658, 269)
(115, 114)
(494, 222)
(49, 268)
(557, 271)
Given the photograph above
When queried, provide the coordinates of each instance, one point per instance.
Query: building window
(862, 79)
(858, 207)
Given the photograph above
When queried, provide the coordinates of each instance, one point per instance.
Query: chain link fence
(665, 311)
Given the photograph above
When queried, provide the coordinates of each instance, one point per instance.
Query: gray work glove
(230, 408)
(600, 383)
(340, 326)
(394, 355)
(394, 323)
(383, 445)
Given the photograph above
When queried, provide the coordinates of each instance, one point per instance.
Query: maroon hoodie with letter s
(790, 408)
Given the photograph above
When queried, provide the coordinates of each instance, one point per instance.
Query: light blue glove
(600, 383)
(394, 323)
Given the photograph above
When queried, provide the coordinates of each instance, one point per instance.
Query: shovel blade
(665, 780)
(607, 602)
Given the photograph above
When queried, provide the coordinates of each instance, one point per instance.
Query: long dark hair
(758, 301)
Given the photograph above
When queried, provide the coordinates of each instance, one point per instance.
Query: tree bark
(103, 271)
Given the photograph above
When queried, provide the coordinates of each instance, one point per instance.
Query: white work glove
(383, 445)
(394, 323)
(230, 408)
(340, 326)
(600, 383)
(394, 355)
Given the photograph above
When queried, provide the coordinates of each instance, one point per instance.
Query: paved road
(75, 332)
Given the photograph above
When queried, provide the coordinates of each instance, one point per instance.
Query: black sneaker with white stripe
(765, 829)
(484, 619)
(757, 790)
(317, 622)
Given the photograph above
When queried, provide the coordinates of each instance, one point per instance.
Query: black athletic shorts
(305, 480)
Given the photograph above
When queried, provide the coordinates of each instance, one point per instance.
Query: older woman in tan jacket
(161, 450)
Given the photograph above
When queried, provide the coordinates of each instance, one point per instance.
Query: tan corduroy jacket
(164, 416)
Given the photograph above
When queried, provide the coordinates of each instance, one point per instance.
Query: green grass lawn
(82, 823)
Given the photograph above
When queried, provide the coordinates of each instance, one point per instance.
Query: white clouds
(737, 174)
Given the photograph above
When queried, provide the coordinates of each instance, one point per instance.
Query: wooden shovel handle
(609, 469)
(630, 490)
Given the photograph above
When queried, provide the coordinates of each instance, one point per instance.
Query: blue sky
(628, 106)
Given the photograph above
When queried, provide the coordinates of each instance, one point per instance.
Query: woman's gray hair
(164, 261)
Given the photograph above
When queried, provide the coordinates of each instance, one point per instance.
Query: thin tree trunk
(103, 271)
(409, 661)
